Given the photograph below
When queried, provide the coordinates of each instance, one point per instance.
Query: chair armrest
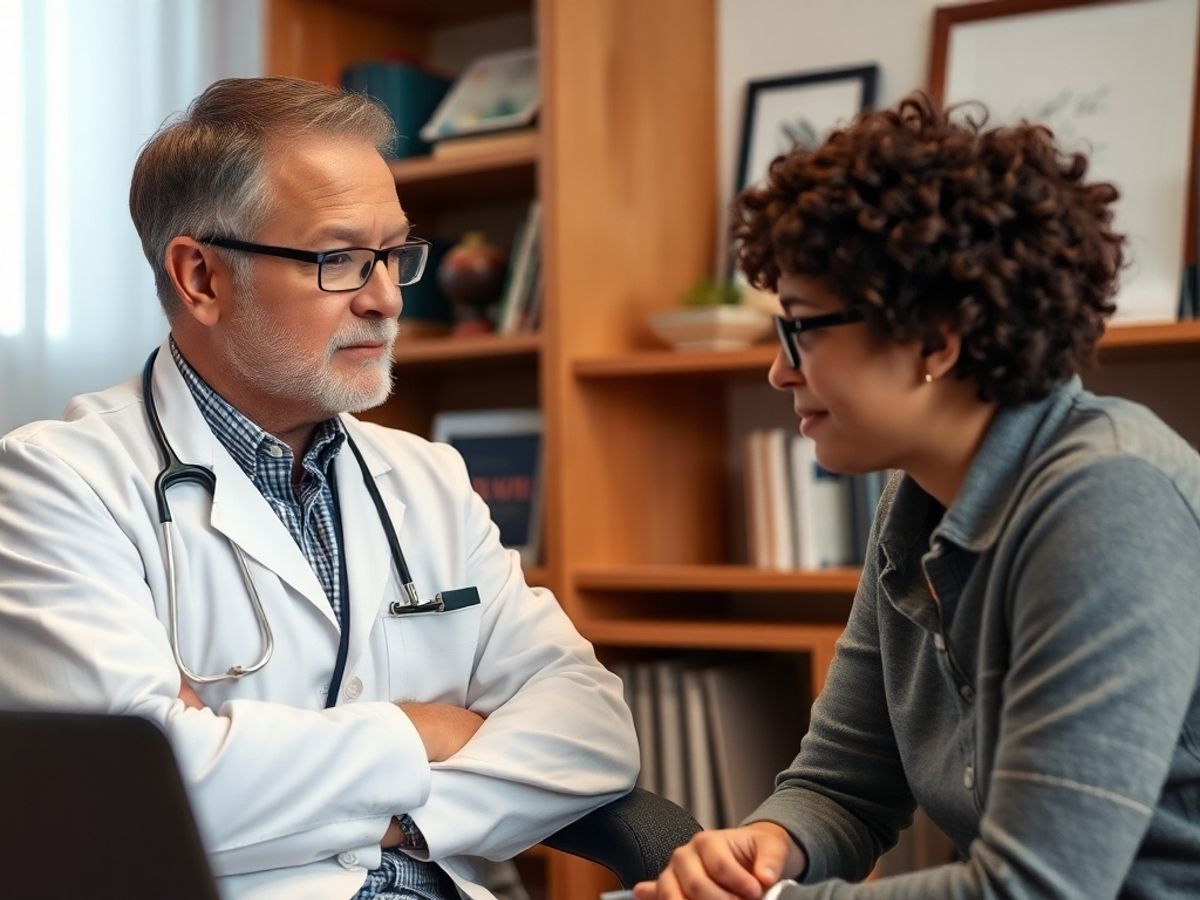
(633, 836)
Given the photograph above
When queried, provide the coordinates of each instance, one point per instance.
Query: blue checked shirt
(308, 514)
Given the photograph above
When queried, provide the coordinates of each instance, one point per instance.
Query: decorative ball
(471, 274)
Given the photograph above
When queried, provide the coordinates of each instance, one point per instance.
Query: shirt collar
(245, 441)
(1015, 436)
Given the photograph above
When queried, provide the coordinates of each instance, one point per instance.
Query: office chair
(632, 836)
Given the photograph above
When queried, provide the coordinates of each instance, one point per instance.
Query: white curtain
(86, 82)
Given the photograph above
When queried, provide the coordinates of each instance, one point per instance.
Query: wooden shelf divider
(691, 634)
(428, 352)
(506, 172)
(1125, 342)
(718, 578)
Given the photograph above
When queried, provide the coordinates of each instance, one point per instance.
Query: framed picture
(797, 109)
(503, 453)
(1115, 79)
(496, 92)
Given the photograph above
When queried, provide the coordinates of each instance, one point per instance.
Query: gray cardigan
(1025, 666)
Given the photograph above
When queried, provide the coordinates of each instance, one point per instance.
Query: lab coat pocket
(431, 655)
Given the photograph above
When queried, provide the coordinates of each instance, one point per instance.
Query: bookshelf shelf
(718, 578)
(1151, 341)
(448, 351)
(508, 171)
(444, 12)
(1120, 343)
(676, 363)
(768, 636)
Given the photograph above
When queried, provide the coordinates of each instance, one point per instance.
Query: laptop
(93, 807)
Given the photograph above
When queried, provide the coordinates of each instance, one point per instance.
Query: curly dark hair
(920, 218)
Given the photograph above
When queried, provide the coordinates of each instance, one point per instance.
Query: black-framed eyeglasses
(347, 268)
(789, 329)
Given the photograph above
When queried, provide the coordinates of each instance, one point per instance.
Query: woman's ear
(940, 352)
(192, 268)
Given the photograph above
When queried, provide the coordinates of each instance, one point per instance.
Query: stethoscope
(176, 472)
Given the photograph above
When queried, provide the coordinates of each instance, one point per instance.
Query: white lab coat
(292, 799)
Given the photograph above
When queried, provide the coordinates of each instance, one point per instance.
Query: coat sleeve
(272, 785)
(558, 740)
(1104, 666)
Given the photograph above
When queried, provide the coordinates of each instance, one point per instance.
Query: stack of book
(799, 515)
(520, 307)
(714, 736)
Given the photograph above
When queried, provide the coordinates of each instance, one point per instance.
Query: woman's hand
(727, 864)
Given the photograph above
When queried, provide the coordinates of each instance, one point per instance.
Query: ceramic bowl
(711, 327)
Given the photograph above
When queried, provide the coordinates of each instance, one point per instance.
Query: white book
(833, 514)
(779, 500)
(672, 772)
(824, 509)
(520, 271)
(755, 487)
(803, 456)
(702, 786)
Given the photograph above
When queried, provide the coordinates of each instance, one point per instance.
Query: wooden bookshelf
(653, 174)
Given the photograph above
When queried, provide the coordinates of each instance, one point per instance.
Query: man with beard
(363, 694)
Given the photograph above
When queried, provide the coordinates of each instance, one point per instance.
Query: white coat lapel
(239, 510)
(373, 580)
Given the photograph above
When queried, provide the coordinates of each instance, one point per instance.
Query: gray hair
(204, 173)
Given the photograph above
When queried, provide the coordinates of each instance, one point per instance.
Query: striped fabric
(308, 515)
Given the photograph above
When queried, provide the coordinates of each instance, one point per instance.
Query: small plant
(710, 292)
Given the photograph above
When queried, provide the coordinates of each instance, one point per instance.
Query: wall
(761, 38)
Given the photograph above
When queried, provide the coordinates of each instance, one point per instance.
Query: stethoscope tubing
(175, 472)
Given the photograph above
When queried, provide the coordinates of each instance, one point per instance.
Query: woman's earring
(928, 378)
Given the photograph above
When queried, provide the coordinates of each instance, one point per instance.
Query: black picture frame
(765, 97)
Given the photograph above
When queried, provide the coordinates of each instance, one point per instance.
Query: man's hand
(444, 729)
(734, 862)
(189, 697)
(393, 837)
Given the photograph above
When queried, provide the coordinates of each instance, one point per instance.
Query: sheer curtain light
(88, 82)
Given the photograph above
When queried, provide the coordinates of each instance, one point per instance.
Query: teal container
(424, 301)
(410, 93)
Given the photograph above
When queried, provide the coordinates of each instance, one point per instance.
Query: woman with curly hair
(1023, 654)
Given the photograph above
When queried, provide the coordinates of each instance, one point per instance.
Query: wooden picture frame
(503, 451)
(1115, 79)
(802, 107)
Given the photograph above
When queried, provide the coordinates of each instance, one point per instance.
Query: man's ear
(199, 278)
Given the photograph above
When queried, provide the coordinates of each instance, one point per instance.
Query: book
(521, 271)
(702, 784)
(758, 712)
(755, 490)
(502, 450)
(823, 509)
(484, 145)
(672, 754)
(780, 507)
(645, 723)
